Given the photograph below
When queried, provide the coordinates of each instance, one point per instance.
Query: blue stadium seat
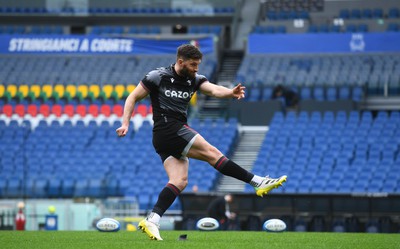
(95, 188)
(41, 188)
(81, 188)
(68, 187)
(14, 188)
(54, 188)
(357, 94)
(377, 13)
(393, 13)
(366, 13)
(255, 94)
(331, 94)
(355, 13)
(344, 92)
(305, 93)
(144, 201)
(319, 93)
(344, 13)
(29, 186)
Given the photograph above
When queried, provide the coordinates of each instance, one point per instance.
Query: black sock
(230, 168)
(165, 199)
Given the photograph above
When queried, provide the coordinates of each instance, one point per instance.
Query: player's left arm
(218, 91)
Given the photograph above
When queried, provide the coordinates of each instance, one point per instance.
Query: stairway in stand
(213, 107)
(250, 141)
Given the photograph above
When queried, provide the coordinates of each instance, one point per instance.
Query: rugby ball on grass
(108, 225)
(207, 224)
(274, 225)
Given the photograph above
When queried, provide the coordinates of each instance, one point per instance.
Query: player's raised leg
(204, 151)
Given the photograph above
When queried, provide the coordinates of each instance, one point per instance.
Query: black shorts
(173, 139)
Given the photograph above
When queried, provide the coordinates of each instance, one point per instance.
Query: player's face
(190, 68)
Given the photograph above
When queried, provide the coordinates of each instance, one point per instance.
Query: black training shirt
(170, 93)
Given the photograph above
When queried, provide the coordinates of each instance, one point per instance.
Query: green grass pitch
(195, 240)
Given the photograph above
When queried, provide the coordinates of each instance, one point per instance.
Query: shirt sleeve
(151, 81)
(200, 79)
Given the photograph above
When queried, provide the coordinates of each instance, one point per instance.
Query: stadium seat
(118, 110)
(94, 110)
(142, 110)
(108, 89)
(47, 90)
(95, 90)
(331, 94)
(255, 94)
(344, 13)
(83, 90)
(377, 13)
(344, 92)
(67, 187)
(32, 110)
(71, 91)
(105, 110)
(56, 110)
(144, 201)
(120, 90)
(14, 188)
(44, 110)
(318, 93)
(130, 88)
(54, 188)
(23, 90)
(305, 93)
(20, 110)
(59, 90)
(81, 188)
(35, 90)
(69, 110)
(81, 110)
(40, 189)
(111, 187)
(2, 90)
(95, 188)
(393, 13)
(12, 90)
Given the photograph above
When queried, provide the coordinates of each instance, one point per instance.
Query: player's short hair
(188, 51)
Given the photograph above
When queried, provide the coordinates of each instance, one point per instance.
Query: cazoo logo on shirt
(178, 94)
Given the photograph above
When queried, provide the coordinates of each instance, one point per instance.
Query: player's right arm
(136, 95)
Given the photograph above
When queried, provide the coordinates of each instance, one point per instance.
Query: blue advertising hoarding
(324, 43)
(19, 44)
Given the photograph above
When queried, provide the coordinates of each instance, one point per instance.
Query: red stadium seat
(20, 110)
(44, 110)
(94, 110)
(105, 110)
(32, 110)
(69, 110)
(8, 110)
(56, 110)
(81, 110)
(142, 110)
(118, 110)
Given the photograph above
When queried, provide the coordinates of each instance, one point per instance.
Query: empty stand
(327, 148)
(77, 159)
(329, 77)
(83, 74)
